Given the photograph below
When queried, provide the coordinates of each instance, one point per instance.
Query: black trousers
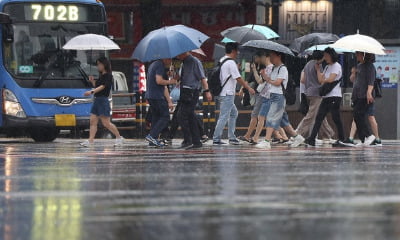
(360, 107)
(329, 105)
(187, 116)
(175, 123)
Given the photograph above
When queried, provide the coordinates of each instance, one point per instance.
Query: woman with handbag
(331, 93)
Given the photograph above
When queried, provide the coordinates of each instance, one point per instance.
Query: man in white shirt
(228, 111)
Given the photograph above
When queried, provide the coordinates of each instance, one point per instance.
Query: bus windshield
(37, 53)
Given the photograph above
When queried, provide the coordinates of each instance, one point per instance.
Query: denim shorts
(276, 111)
(101, 107)
(257, 106)
(371, 110)
(265, 106)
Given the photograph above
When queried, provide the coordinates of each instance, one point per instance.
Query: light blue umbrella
(266, 31)
(322, 47)
(168, 42)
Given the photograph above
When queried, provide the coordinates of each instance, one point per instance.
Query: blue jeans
(228, 114)
(276, 111)
(160, 116)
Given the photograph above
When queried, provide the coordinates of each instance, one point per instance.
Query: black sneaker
(377, 143)
(194, 146)
(234, 142)
(276, 140)
(185, 145)
(309, 142)
(349, 142)
(204, 139)
(338, 144)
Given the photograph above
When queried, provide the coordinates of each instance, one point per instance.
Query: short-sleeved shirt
(155, 91)
(365, 77)
(106, 80)
(279, 72)
(231, 70)
(335, 68)
(312, 84)
(192, 73)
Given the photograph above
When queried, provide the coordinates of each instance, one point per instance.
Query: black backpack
(214, 80)
(290, 91)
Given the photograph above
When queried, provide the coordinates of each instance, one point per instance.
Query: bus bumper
(29, 122)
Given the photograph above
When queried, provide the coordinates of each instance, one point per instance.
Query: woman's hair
(106, 63)
(282, 55)
(369, 58)
(332, 53)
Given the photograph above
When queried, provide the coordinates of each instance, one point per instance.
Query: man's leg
(193, 121)
(232, 120)
(161, 112)
(374, 126)
(359, 114)
(225, 110)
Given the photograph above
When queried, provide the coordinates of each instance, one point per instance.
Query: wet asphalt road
(62, 191)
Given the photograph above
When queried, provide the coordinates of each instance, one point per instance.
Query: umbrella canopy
(302, 43)
(360, 43)
(266, 31)
(269, 45)
(168, 42)
(90, 42)
(322, 47)
(200, 52)
(242, 34)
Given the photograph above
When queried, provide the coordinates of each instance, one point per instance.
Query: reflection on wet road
(61, 191)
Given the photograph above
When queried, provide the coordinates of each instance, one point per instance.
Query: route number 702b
(55, 13)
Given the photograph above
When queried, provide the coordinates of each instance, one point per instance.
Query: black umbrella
(302, 43)
(242, 34)
(268, 45)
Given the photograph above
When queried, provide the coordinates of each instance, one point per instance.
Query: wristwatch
(92, 92)
(206, 90)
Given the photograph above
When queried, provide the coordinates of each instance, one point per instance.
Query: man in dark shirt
(158, 97)
(192, 78)
(362, 95)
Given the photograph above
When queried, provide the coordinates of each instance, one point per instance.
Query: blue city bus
(41, 84)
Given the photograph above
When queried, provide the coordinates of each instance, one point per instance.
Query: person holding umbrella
(157, 95)
(101, 106)
(362, 95)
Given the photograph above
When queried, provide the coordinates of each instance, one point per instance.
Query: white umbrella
(90, 42)
(360, 43)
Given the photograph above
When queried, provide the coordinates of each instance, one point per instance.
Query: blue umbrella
(168, 42)
(266, 31)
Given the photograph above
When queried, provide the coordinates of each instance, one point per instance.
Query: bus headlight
(11, 106)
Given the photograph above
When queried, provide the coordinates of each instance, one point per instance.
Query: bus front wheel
(42, 134)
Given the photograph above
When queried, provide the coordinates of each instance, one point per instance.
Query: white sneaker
(297, 141)
(119, 142)
(86, 143)
(319, 142)
(369, 140)
(264, 145)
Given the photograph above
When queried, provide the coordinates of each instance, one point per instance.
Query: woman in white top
(276, 114)
(331, 102)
